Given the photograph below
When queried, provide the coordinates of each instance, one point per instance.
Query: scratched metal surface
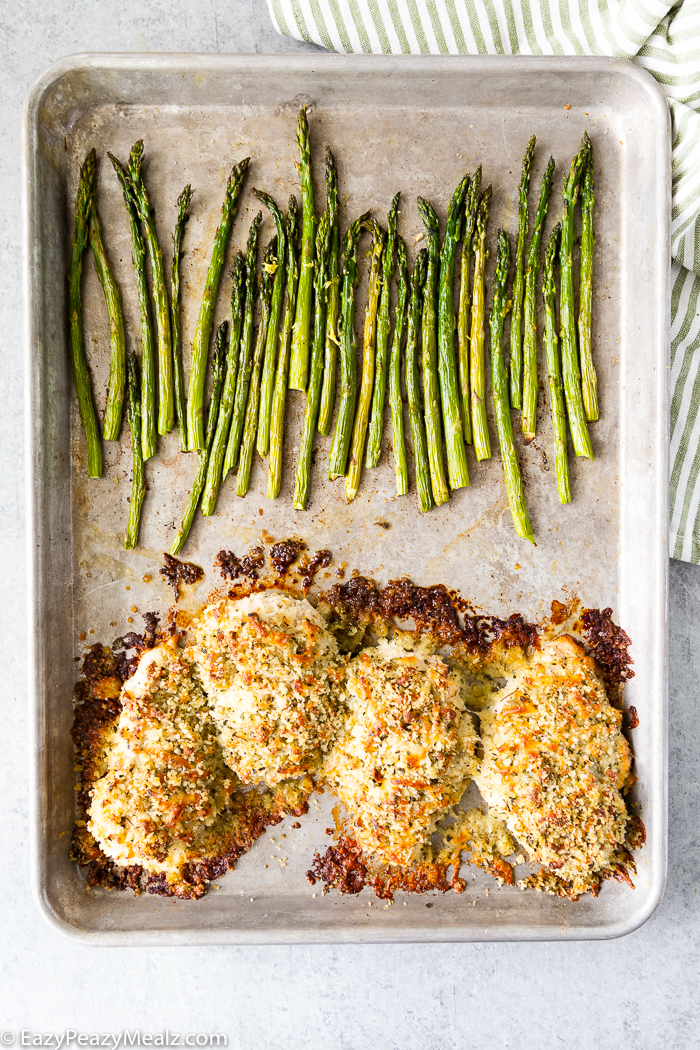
(414, 125)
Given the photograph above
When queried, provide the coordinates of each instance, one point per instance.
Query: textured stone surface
(639, 992)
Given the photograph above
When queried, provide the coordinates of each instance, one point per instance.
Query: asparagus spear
(217, 370)
(245, 359)
(516, 320)
(313, 392)
(183, 203)
(223, 423)
(463, 317)
(569, 351)
(421, 464)
(431, 394)
(330, 367)
(148, 361)
(499, 385)
(359, 433)
(270, 264)
(81, 374)
(556, 393)
(395, 399)
(200, 345)
(376, 422)
(111, 424)
(299, 361)
(166, 412)
(480, 427)
(589, 379)
(457, 471)
(138, 484)
(529, 350)
(348, 353)
(270, 360)
(279, 399)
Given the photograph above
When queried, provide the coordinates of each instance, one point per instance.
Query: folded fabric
(663, 38)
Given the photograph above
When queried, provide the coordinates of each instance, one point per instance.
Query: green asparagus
(183, 203)
(313, 391)
(551, 343)
(112, 422)
(245, 357)
(395, 398)
(569, 350)
(223, 423)
(529, 350)
(431, 393)
(463, 317)
(348, 354)
(589, 379)
(516, 321)
(299, 360)
(217, 370)
(457, 470)
(250, 428)
(138, 483)
(359, 432)
(421, 464)
(499, 386)
(200, 345)
(166, 411)
(477, 367)
(148, 351)
(279, 399)
(330, 367)
(270, 360)
(376, 421)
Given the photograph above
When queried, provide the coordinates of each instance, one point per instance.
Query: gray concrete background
(639, 992)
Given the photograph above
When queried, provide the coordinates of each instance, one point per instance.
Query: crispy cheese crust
(554, 764)
(273, 675)
(407, 750)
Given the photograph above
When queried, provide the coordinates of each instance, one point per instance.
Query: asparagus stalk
(589, 380)
(279, 398)
(228, 393)
(569, 350)
(499, 385)
(395, 398)
(200, 345)
(111, 424)
(245, 359)
(148, 352)
(551, 343)
(477, 368)
(457, 470)
(83, 386)
(421, 464)
(348, 354)
(376, 421)
(138, 484)
(463, 317)
(183, 203)
(270, 264)
(313, 392)
(359, 433)
(166, 411)
(270, 360)
(529, 349)
(299, 361)
(217, 370)
(516, 320)
(330, 367)
(431, 394)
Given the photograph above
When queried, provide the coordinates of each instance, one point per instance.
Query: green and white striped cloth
(662, 37)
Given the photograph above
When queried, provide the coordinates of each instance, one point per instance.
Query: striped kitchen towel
(662, 37)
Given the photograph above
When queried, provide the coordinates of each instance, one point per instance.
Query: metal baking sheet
(414, 124)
